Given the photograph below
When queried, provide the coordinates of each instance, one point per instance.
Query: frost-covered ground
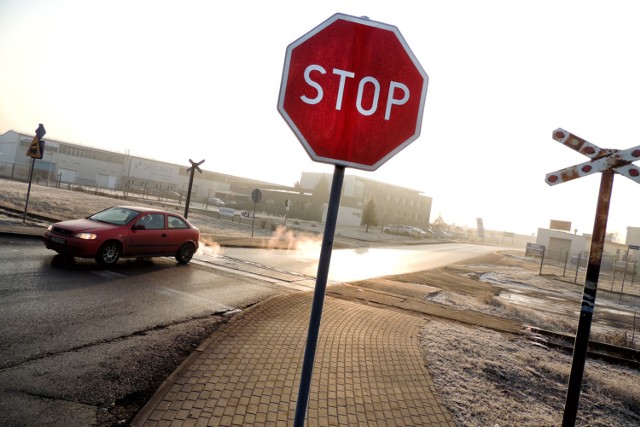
(487, 378)
(62, 204)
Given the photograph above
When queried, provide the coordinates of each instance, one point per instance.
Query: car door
(149, 236)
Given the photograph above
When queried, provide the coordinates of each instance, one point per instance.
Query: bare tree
(369, 215)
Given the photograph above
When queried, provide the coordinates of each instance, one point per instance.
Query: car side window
(153, 221)
(157, 222)
(175, 222)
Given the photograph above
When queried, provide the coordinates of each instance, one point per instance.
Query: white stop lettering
(394, 87)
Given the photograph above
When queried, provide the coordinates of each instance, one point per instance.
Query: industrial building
(70, 164)
(562, 245)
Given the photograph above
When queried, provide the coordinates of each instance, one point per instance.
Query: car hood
(77, 225)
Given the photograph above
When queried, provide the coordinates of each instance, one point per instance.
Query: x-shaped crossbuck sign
(195, 165)
(620, 161)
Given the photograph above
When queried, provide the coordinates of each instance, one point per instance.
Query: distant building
(394, 204)
(632, 241)
(633, 236)
(561, 245)
(70, 164)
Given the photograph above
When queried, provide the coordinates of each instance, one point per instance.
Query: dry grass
(487, 378)
(617, 338)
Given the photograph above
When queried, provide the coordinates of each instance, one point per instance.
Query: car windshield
(116, 216)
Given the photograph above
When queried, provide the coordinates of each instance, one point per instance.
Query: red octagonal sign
(353, 92)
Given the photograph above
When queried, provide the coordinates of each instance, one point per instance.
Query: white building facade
(70, 164)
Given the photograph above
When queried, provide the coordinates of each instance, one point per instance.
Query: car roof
(139, 208)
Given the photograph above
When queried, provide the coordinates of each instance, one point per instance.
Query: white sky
(200, 79)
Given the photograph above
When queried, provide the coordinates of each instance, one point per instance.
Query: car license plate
(60, 240)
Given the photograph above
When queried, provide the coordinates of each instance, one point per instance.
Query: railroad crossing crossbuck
(620, 161)
(608, 162)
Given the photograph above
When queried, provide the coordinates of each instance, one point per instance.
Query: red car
(125, 231)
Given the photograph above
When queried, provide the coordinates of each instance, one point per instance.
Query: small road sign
(256, 195)
(195, 165)
(36, 149)
(352, 92)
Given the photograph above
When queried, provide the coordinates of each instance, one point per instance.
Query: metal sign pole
(588, 299)
(318, 295)
(253, 220)
(186, 204)
(256, 196)
(26, 204)
(194, 167)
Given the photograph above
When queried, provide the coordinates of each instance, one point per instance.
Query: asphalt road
(81, 343)
(364, 263)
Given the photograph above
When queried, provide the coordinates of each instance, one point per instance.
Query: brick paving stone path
(368, 371)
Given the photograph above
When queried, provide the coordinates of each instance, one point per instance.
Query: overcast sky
(200, 79)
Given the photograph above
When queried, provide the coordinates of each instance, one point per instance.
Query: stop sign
(353, 92)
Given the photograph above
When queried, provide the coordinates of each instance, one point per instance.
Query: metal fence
(14, 171)
(614, 276)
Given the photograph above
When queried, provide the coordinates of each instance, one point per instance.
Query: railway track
(597, 350)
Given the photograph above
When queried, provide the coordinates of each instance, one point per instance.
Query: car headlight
(86, 236)
(49, 228)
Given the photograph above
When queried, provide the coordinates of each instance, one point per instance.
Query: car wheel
(108, 254)
(185, 253)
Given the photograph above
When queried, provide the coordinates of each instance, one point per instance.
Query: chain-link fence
(615, 275)
(619, 279)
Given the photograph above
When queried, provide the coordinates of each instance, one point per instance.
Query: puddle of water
(502, 281)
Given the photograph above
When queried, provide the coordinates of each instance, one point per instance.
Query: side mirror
(138, 227)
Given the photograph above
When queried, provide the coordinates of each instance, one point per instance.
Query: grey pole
(26, 204)
(318, 296)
